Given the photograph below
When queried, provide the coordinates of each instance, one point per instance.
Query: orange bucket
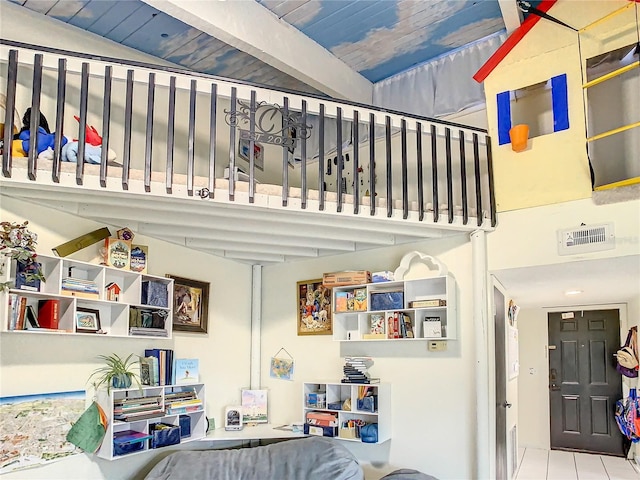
(519, 135)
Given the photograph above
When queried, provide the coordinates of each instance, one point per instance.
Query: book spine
(13, 311)
(396, 325)
(21, 312)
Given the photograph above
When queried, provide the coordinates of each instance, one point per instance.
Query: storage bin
(185, 426)
(387, 301)
(155, 293)
(348, 433)
(128, 441)
(164, 435)
(368, 404)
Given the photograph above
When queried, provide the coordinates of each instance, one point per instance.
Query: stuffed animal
(92, 137)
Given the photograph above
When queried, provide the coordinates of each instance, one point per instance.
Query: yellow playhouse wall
(554, 168)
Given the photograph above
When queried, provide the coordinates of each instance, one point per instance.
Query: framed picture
(190, 305)
(258, 152)
(314, 308)
(87, 320)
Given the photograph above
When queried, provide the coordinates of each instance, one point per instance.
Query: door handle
(506, 404)
(553, 386)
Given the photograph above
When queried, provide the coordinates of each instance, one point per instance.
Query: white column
(256, 325)
(485, 381)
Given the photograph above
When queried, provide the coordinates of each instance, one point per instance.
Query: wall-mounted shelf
(349, 416)
(355, 317)
(114, 312)
(179, 428)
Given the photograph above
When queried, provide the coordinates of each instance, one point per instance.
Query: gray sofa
(312, 458)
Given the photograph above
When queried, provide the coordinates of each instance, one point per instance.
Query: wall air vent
(586, 239)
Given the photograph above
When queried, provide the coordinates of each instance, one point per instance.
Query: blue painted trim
(504, 117)
(560, 100)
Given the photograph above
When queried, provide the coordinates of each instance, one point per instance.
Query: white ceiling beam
(252, 28)
(511, 14)
(198, 234)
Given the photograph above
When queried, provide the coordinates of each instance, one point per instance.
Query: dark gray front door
(583, 382)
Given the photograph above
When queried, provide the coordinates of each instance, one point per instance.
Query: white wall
(527, 238)
(57, 363)
(433, 394)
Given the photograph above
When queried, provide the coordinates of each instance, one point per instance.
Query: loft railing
(169, 120)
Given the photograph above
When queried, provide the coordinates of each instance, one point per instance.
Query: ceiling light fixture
(573, 292)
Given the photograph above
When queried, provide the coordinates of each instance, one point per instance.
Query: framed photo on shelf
(87, 320)
(190, 305)
(314, 308)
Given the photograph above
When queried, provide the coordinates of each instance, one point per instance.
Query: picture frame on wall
(87, 320)
(244, 149)
(314, 308)
(190, 305)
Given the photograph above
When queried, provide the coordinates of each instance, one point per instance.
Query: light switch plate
(437, 345)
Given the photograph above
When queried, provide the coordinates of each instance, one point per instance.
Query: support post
(256, 325)
(485, 390)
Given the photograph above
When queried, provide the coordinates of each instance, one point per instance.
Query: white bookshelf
(114, 315)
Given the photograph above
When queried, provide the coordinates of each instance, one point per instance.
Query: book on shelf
(185, 371)
(432, 327)
(73, 293)
(366, 381)
(13, 301)
(434, 302)
(129, 436)
(185, 403)
(149, 371)
(31, 318)
(142, 416)
(376, 323)
(22, 307)
(145, 372)
(49, 313)
(135, 401)
(373, 336)
(407, 326)
(184, 410)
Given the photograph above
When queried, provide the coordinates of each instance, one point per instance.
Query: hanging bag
(627, 360)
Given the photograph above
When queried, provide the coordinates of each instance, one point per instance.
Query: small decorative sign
(138, 261)
(118, 253)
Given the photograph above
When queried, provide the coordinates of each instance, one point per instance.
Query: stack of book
(78, 287)
(182, 401)
(131, 409)
(356, 370)
(148, 332)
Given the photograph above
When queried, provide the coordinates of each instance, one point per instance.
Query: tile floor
(537, 464)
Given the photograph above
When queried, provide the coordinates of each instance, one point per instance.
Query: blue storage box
(185, 426)
(128, 441)
(155, 294)
(163, 435)
(387, 301)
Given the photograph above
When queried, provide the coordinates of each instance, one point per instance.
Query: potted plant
(19, 243)
(116, 373)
